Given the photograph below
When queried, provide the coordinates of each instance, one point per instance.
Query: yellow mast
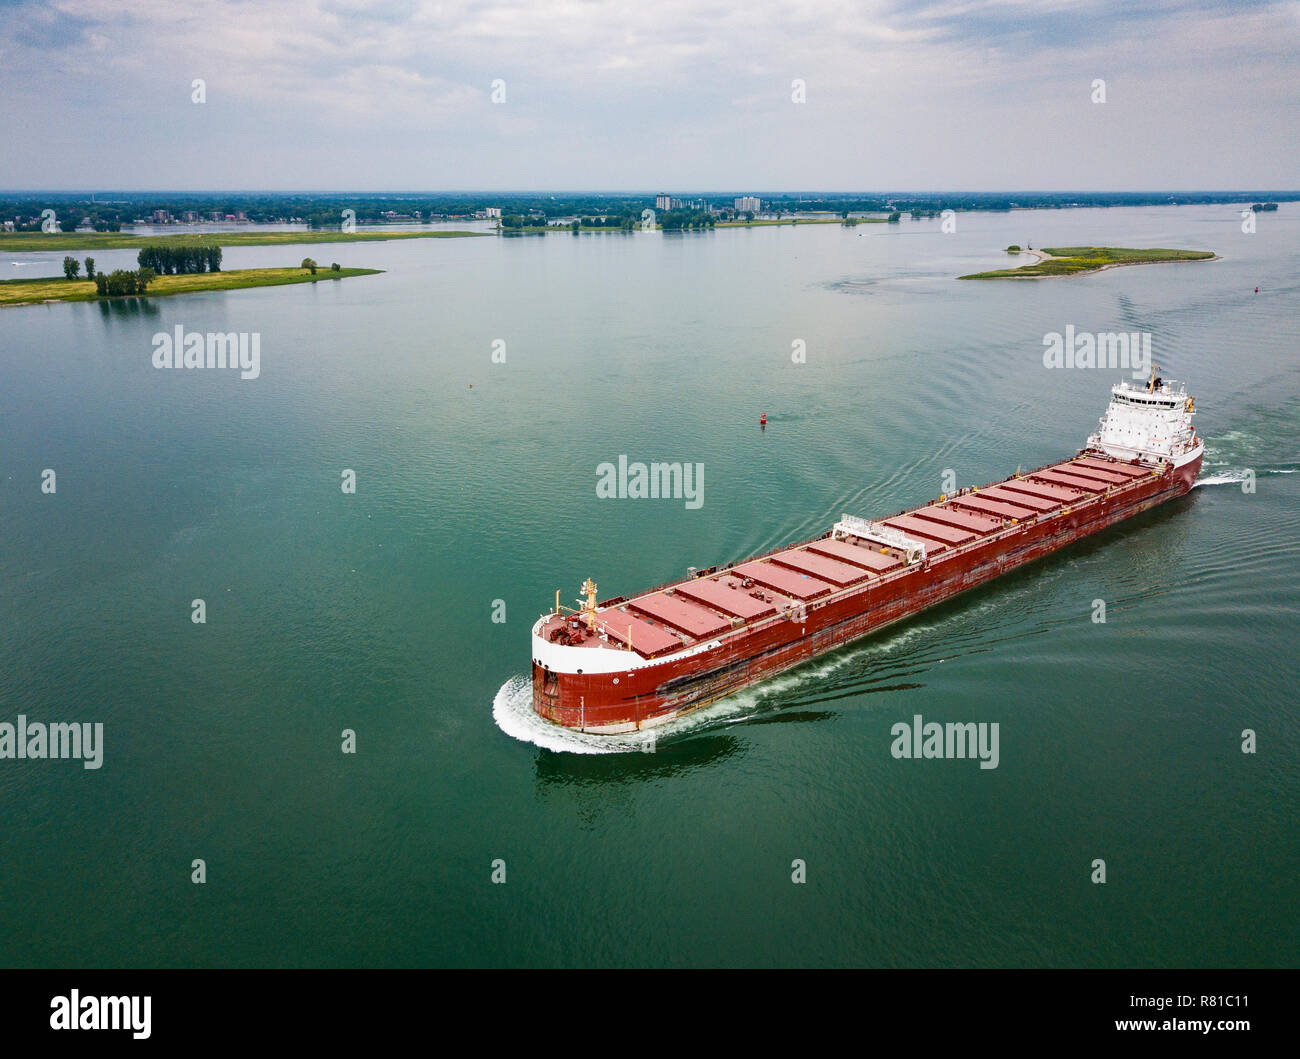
(589, 608)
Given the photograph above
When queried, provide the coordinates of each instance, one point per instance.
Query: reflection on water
(126, 306)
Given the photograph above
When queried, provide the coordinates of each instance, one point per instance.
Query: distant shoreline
(35, 242)
(784, 222)
(120, 219)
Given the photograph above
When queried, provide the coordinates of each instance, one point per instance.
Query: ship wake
(1235, 477)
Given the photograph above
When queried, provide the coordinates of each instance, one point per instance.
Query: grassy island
(58, 289)
(1080, 260)
(20, 241)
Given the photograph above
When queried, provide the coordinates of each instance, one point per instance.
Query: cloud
(697, 92)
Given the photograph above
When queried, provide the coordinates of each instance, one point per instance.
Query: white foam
(1226, 478)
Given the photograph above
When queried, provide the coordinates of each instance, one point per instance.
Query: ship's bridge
(1152, 422)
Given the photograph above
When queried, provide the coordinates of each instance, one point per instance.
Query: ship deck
(720, 602)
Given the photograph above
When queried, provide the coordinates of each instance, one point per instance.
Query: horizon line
(639, 191)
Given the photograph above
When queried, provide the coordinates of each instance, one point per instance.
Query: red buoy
(762, 420)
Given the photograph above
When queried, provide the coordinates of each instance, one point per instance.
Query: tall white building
(663, 202)
(746, 203)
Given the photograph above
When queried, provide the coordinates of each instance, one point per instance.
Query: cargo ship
(624, 664)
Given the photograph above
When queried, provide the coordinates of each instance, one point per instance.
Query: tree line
(171, 260)
(119, 281)
(122, 281)
(669, 220)
(676, 220)
(71, 266)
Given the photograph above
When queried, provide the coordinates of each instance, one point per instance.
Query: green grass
(1077, 260)
(22, 241)
(49, 288)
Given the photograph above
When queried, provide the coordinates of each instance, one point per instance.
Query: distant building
(748, 203)
(493, 212)
(189, 216)
(663, 202)
(161, 217)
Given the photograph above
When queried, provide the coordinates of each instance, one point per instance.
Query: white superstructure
(1151, 422)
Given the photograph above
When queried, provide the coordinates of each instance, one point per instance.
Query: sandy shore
(1039, 255)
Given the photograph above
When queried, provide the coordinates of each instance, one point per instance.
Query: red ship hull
(651, 693)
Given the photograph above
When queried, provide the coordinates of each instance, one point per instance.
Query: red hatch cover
(761, 592)
(1070, 481)
(800, 586)
(729, 600)
(919, 527)
(1043, 490)
(1126, 469)
(1024, 499)
(966, 520)
(689, 617)
(994, 507)
(857, 554)
(1093, 473)
(645, 639)
(837, 573)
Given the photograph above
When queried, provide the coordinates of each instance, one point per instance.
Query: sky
(689, 95)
